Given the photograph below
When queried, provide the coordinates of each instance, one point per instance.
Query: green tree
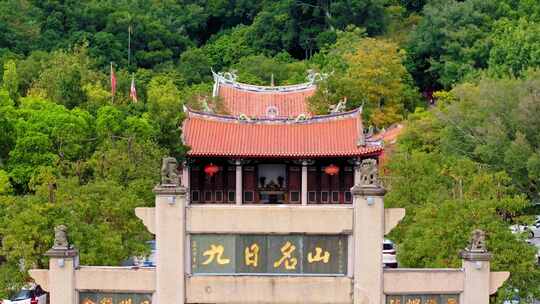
(516, 47)
(369, 73)
(165, 107)
(5, 185)
(469, 163)
(105, 233)
(7, 125)
(451, 41)
(10, 79)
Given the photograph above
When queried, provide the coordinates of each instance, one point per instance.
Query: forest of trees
(72, 153)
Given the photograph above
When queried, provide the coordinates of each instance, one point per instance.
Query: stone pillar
(185, 175)
(63, 260)
(368, 240)
(304, 197)
(239, 181)
(476, 265)
(357, 164)
(170, 243)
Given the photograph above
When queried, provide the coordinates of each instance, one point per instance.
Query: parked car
(516, 299)
(31, 294)
(150, 261)
(532, 231)
(389, 254)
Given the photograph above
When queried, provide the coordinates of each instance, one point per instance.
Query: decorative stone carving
(339, 107)
(301, 117)
(61, 247)
(244, 117)
(230, 76)
(313, 76)
(477, 242)
(369, 132)
(169, 171)
(60, 238)
(476, 250)
(206, 107)
(369, 173)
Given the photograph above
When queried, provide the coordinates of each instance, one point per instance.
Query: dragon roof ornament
(230, 78)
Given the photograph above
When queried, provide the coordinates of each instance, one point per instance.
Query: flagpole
(111, 80)
(129, 45)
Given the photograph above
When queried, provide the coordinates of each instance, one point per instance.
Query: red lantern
(331, 169)
(211, 169)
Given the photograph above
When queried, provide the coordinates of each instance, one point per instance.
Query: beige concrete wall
(270, 219)
(116, 279)
(392, 217)
(148, 217)
(476, 281)
(403, 281)
(269, 289)
(62, 281)
(41, 277)
(496, 279)
(368, 240)
(170, 244)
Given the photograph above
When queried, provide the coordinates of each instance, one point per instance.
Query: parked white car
(389, 254)
(532, 231)
(32, 294)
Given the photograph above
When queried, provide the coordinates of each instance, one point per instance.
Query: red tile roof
(289, 103)
(322, 136)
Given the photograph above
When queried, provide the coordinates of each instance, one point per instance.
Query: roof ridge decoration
(339, 107)
(299, 119)
(230, 78)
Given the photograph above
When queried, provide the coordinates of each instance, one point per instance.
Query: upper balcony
(263, 181)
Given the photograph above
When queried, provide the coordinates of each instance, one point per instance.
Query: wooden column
(185, 175)
(304, 182)
(357, 163)
(238, 192)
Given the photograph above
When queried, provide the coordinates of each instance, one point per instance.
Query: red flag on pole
(133, 90)
(113, 82)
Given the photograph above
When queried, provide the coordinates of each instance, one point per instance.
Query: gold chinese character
(432, 301)
(395, 301)
(287, 258)
(318, 256)
(88, 301)
(106, 301)
(451, 301)
(126, 301)
(145, 302)
(414, 301)
(252, 255)
(215, 252)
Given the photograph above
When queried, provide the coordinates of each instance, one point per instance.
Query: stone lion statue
(478, 241)
(169, 171)
(369, 173)
(60, 237)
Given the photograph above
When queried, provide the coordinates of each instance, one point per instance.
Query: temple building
(272, 204)
(269, 148)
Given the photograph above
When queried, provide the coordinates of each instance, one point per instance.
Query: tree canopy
(70, 147)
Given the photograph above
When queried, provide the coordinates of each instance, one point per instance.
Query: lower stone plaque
(96, 297)
(422, 299)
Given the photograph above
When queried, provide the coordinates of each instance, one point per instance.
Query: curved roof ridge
(231, 81)
(277, 120)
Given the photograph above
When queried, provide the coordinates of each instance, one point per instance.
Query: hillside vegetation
(71, 152)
